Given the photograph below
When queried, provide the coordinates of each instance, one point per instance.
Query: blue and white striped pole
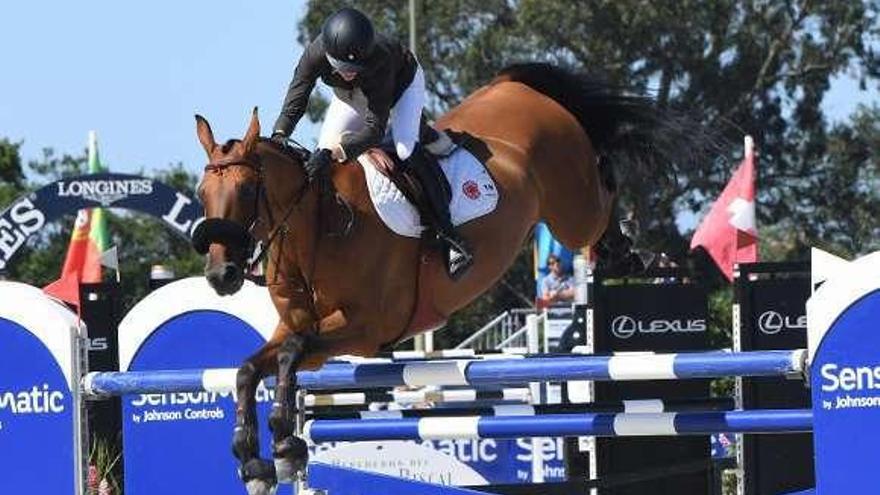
(627, 406)
(492, 372)
(561, 425)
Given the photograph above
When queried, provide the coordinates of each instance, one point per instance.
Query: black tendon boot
(456, 254)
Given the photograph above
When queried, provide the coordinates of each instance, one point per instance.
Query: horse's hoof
(291, 456)
(259, 477)
(260, 487)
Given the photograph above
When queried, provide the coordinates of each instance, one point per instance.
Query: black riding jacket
(389, 71)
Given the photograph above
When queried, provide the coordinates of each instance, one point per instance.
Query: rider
(376, 82)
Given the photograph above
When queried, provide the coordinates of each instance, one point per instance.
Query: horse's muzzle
(221, 231)
(225, 278)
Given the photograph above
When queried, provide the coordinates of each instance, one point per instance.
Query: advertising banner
(39, 422)
(28, 214)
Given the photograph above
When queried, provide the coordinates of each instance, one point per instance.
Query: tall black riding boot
(456, 254)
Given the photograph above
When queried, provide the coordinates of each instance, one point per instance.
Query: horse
(547, 136)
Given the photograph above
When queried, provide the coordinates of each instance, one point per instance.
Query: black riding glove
(279, 138)
(318, 162)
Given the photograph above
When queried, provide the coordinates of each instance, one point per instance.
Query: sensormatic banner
(170, 436)
(181, 442)
(35, 403)
(28, 214)
(463, 462)
(846, 399)
(190, 406)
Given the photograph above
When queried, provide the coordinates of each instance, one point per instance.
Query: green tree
(11, 174)
(39, 262)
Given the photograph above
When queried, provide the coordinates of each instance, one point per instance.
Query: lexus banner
(650, 317)
(772, 301)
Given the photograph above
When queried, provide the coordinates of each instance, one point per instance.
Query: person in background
(665, 261)
(557, 287)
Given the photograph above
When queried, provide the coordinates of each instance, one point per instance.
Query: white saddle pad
(473, 194)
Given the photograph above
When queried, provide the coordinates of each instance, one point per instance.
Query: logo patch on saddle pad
(473, 194)
(471, 190)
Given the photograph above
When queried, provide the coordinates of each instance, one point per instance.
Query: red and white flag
(729, 232)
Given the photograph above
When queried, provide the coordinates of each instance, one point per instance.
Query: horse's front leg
(290, 452)
(258, 474)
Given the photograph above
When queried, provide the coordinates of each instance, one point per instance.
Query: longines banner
(28, 214)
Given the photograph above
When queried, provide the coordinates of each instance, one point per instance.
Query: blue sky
(136, 72)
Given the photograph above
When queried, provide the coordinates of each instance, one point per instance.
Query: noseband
(228, 232)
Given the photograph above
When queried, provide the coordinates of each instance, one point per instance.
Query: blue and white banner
(38, 372)
(463, 462)
(28, 214)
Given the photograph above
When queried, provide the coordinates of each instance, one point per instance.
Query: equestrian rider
(376, 82)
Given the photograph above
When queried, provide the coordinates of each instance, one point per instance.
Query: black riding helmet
(348, 38)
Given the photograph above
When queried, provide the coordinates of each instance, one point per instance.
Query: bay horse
(547, 137)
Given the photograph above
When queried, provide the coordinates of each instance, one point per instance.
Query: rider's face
(348, 76)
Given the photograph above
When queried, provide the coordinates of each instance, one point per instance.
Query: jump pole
(562, 425)
(647, 366)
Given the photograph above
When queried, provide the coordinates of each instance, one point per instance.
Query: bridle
(226, 231)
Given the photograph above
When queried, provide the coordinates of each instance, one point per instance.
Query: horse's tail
(625, 128)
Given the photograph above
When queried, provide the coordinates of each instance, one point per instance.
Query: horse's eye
(248, 190)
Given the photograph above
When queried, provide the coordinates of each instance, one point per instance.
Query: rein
(274, 229)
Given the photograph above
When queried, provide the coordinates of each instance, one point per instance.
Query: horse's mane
(296, 152)
(227, 146)
(624, 126)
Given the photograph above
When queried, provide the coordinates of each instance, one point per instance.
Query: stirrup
(457, 258)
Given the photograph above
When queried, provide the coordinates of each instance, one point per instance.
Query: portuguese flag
(87, 242)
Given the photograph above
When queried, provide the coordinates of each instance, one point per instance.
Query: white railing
(501, 332)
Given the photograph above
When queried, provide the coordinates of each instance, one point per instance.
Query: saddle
(413, 185)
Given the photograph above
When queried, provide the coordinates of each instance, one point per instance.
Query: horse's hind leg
(289, 451)
(257, 474)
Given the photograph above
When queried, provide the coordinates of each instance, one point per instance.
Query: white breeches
(403, 122)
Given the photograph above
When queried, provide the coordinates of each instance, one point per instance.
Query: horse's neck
(282, 175)
(285, 214)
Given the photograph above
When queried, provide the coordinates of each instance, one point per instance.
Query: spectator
(665, 261)
(557, 287)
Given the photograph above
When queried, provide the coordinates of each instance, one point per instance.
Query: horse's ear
(253, 133)
(206, 135)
